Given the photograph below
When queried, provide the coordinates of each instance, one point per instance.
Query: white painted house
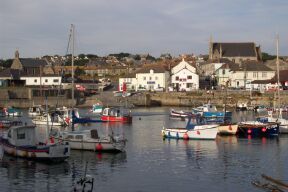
(149, 78)
(46, 80)
(130, 81)
(241, 76)
(184, 77)
(152, 78)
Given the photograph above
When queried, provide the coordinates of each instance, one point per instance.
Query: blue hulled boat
(256, 129)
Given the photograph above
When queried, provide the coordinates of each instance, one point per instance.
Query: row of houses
(238, 65)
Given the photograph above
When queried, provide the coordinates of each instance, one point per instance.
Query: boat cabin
(116, 112)
(22, 136)
(36, 110)
(82, 135)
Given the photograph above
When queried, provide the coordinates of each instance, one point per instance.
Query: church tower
(16, 62)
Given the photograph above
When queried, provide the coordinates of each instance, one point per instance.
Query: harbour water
(151, 164)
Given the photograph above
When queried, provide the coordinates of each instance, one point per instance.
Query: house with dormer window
(184, 77)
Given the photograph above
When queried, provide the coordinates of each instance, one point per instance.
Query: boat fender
(263, 129)
(99, 147)
(67, 120)
(230, 127)
(52, 140)
(249, 131)
(198, 132)
(185, 136)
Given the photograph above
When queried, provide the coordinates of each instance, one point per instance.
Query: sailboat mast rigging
(278, 81)
(72, 63)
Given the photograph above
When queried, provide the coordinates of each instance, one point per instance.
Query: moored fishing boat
(12, 112)
(258, 129)
(90, 140)
(116, 114)
(55, 120)
(97, 108)
(179, 114)
(22, 141)
(192, 131)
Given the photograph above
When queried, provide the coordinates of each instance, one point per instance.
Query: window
(264, 74)
(223, 71)
(20, 134)
(79, 137)
(46, 80)
(35, 80)
(150, 78)
(189, 77)
(177, 78)
(144, 78)
(255, 74)
(55, 80)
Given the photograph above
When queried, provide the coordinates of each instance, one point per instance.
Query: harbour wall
(24, 98)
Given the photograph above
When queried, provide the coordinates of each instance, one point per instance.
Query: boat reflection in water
(21, 173)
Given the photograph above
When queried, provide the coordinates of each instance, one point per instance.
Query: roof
(272, 64)
(14, 73)
(155, 68)
(27, 62)
(283, 76)
(130, 75)
(236, 49)
(250, 66)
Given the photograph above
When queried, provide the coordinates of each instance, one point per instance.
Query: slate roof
(156, 68)
(27, 62)
(14, 73)
(250, 66)
(236, 49)
(272, 64)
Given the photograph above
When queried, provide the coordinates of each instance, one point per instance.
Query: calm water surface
(151, 164)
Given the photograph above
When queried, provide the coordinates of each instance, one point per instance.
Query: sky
(41, 27)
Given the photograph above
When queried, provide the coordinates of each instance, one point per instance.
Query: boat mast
(72, 63)
(277, 65)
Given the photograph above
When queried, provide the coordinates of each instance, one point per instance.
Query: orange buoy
(264, 129)
(185, 136)
(198, 132)
(99, 147)
(230, 127)
(249, 131)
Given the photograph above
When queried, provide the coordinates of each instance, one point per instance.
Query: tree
(266, 56)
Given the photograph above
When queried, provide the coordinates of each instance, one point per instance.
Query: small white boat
(97, 108)
(36, 110)
(90, 140)
(192, 131)
(22, 141)
(179, 114)
(260, 109)
(55, 120)
(204, 108)
(12, 112)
